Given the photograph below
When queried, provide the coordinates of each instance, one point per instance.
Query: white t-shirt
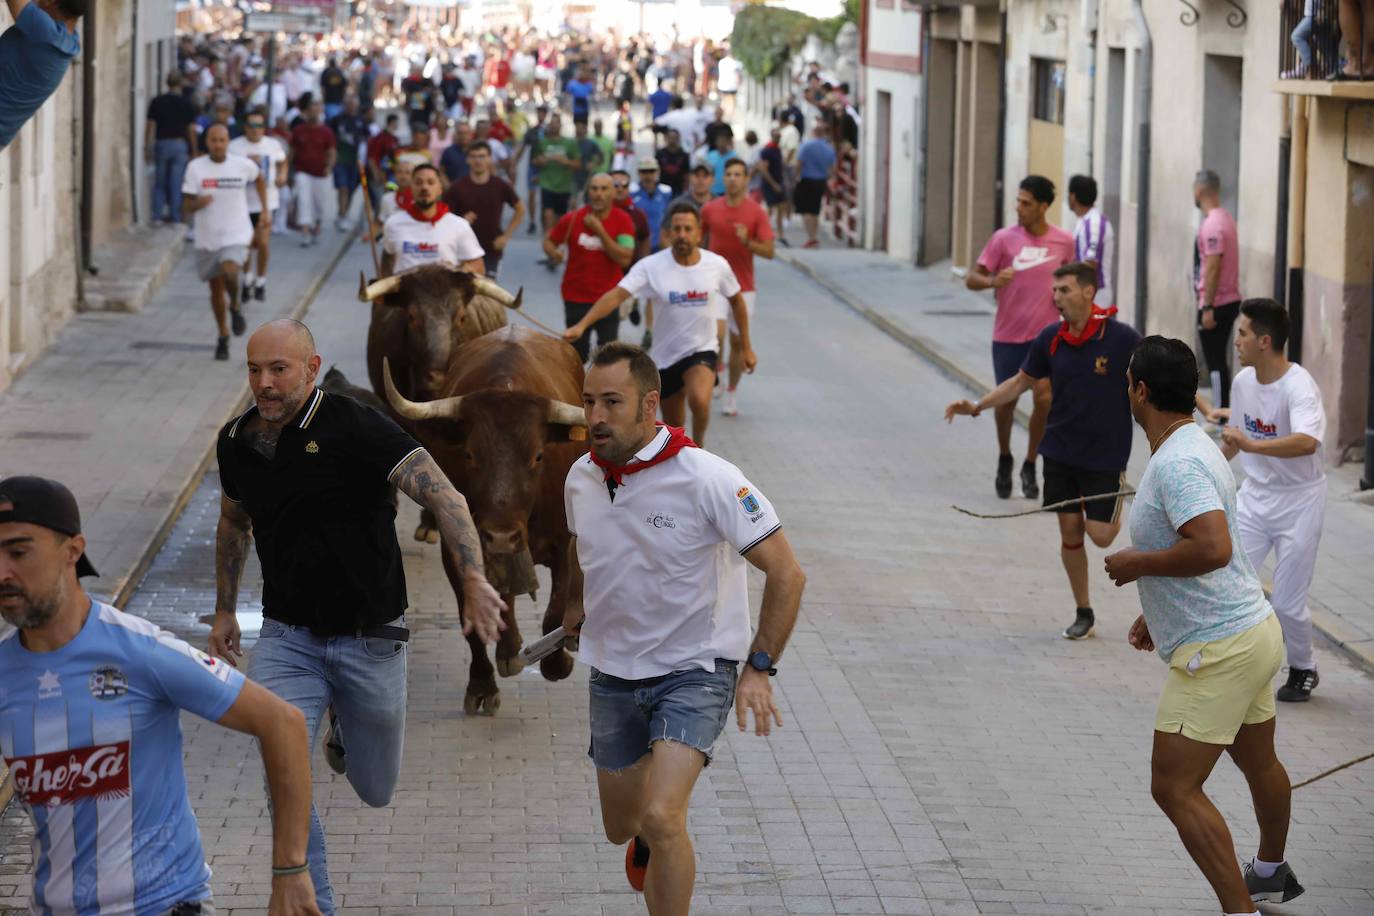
(279, 103)
(225, 222)
(448, 240)
(684, 321)
(727, 74)
(1293, 404)
(267, 152)
(664, 578)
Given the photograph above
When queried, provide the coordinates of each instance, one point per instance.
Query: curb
(1324, 620)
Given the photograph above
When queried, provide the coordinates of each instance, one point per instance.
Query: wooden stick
(536, 322)
(1077, 500)
(371, 225)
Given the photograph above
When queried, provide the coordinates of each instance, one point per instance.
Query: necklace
(1154, 446)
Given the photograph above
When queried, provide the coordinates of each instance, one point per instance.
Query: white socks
(1264, 869)
(248, 278)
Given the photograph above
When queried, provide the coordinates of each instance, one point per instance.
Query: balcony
(1313, 72)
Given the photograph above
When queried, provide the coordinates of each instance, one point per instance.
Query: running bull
(506, 426)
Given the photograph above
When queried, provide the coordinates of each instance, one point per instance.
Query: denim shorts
(687, 707)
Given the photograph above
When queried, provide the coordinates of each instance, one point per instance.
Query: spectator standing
(600, 241)
(659, 101)
(314, 150)
(1218, 281)
(674, 162)
(296, 79)
(555, 156)
(221, 113)
(728, 73)
(480, 197)
(603, 142)
(1019, 263)
(1094, 242)
(589, 158)
(270, 157)
(533, 134)
(381, 149)
(333, 89)
(35, 54)
(417, 94)
(169, 142)
(715, 127)
(772, 175)
(717, 157)
(440, 138)
(454, 161)
(817, 159)
(789, 113)
(651, 197)
(351, 135)
(580, 92)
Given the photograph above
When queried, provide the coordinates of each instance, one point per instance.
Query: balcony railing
(1309, 46)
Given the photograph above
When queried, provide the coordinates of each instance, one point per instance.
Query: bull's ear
(562, 432)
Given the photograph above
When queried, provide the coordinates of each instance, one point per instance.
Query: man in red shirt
(736, 228)
(600, 238)
(313, 151)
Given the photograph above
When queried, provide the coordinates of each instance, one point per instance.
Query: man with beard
(480, 198)
(425, 232)
(600, 241)
(666, 610)
(308, 476)
(121, 836)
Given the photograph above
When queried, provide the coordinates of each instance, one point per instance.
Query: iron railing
(1320, 32)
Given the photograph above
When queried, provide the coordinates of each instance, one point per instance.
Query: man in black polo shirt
(308, 475)
(1088, 435)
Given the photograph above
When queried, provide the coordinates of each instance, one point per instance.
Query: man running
(480, 197)
(1019, 263)
(351, 131)
(1204, 612)
(314, 150)
(308, 478)
(651, 197)
(214, 192)
(1088, 435)
(1277, 424)
(666, 618)
(533, 134)
(818, 161)
(555, 156)
(423, 231)
(90, 728)
(600, 239)
(737, 229)
(270, 157)
(678, 283)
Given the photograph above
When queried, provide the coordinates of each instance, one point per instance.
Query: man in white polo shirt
(425, 232)
(678, 282)
(661, 532)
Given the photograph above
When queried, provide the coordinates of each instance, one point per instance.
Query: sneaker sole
(1276, 896)
(1067, 635)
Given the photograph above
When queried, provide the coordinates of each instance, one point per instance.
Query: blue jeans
(687, 707)
(169, 166)
(364, 679)
(1302, 40)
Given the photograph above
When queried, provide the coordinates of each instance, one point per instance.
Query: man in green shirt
(556, 157)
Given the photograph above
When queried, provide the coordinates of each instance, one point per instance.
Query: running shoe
(246, 292)
(1082, 626)
(785, 243)
(1299, 687)
(1280, 887)
(1003, 482)
(811, 243)
(222, 348)
(648, 340)
(634, 314)
(1029, 488)
(237, 323)
(333, 745)
(637, 863)
(731, 408)
(260, 291)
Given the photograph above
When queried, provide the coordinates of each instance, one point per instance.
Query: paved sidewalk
(930, 311)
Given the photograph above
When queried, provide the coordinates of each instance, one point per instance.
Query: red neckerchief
(1095, 322)
(404, 199)
(616, 473)
(440, 211)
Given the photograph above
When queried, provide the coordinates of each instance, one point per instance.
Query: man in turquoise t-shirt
(35, 54)
(556, 157)
(1205, 612)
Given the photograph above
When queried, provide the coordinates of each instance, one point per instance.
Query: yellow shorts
(1216, 687)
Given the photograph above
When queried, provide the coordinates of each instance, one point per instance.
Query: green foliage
(765, 37)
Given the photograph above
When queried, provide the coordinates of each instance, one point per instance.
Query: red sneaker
(812, 243)
(637, 863)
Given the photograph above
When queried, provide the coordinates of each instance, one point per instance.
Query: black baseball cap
(47, 503)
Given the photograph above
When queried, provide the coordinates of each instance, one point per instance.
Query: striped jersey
(91, 733)
(1094, 240)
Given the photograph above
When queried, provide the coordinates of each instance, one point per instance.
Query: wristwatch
(762, 662)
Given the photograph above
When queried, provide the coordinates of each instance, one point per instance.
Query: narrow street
(944, 750)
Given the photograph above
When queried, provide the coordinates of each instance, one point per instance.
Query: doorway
(1046, 140)
(938, 181)
(1221, 125)
(883, 166)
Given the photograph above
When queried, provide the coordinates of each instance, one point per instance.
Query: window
(1047, 86)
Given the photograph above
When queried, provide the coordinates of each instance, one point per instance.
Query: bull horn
(442, 409)
(491, 290)
(567, 414)
(378, 288)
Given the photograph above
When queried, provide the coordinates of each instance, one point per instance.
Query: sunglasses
(252, 125)
(621, 185)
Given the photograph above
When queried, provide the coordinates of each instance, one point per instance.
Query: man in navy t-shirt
(581, 90)
(1088, 434)
(35, 53)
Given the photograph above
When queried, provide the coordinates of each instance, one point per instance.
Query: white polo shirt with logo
(448, 240)
(665, 582)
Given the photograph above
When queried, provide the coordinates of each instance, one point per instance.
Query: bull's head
(502, 436)
(444, 307)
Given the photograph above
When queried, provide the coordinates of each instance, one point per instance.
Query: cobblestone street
(944, 750)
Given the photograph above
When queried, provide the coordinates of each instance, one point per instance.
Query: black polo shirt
(323, 518)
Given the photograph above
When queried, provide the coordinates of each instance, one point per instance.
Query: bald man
(213, 192)
(308, 476)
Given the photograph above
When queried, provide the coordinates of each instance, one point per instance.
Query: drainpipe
(135, 159)
(1143, 95)
(1296, 226)
(922, 167)
(88, 75)
(999, 184)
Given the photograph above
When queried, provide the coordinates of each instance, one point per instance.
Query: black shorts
(808, 196)
(671, 379)
(554, 200)
(253, 218)
(1064, 481)
(1007, 359)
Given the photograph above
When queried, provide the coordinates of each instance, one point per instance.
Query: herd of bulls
(499, 409)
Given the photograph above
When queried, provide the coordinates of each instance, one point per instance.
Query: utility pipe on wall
(1143, 96)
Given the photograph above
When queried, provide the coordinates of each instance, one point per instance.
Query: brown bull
(505, 428)
(418, 319)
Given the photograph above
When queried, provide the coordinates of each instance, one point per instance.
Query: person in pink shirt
(1019, 263)
(1218, 281)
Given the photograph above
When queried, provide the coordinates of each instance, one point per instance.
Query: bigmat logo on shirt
(63, 777)
(690, 297)
(1258, 428)
(420, 247)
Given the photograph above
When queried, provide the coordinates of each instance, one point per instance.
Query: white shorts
(749, 299)
(314, 198)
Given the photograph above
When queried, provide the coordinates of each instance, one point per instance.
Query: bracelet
(291, 870)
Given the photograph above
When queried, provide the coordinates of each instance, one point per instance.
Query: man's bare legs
(219, 303)
(1270, 789)
(696, 394)
(1073, 527)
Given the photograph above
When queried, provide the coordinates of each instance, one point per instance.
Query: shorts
(256, 218)
(491, 263)
(672, 379)
(686, 707)
(1064, 481)
(1007, 359)
(808, 196)
(749, 298)
(1214, 688)
(210, 262)
(773, 198)
(557, 201)
(314, 196)
(346, 177)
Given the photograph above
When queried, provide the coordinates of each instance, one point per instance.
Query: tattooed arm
(232, 537)
(422, 480)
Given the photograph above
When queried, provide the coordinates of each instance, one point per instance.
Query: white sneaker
(341, 224)
(731, 408)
